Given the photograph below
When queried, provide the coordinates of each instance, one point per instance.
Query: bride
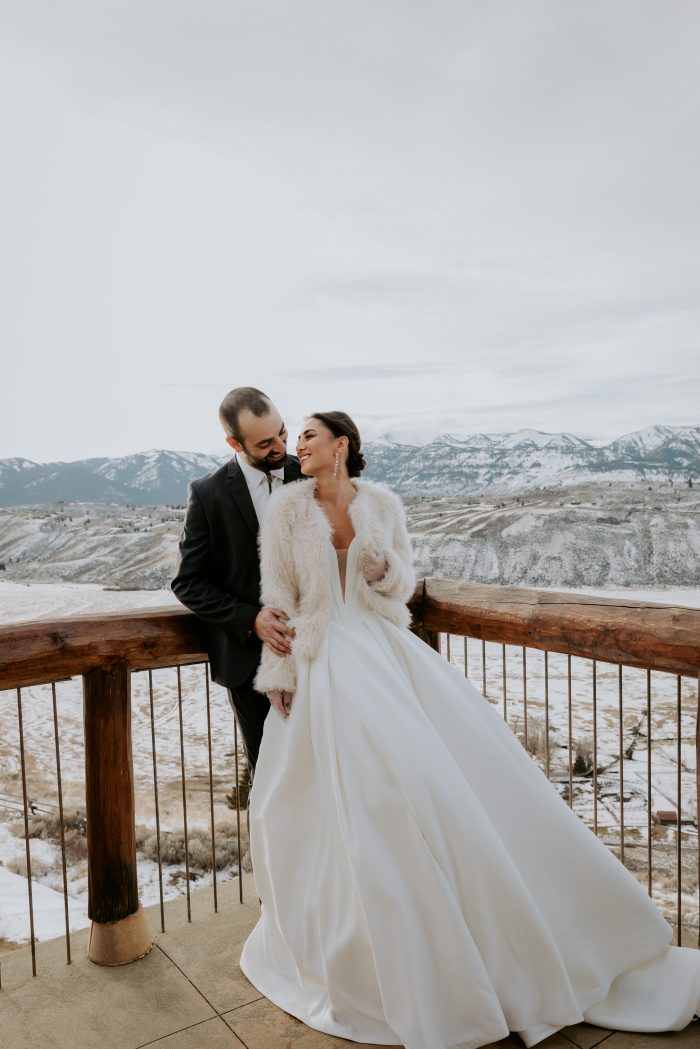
(422, 883)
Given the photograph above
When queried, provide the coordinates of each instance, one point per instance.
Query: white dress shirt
(258, 485)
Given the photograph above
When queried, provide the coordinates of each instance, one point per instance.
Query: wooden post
(431, 637)
(119, 930)
(417, 607)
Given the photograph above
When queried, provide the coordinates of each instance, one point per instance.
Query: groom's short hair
(243, 398)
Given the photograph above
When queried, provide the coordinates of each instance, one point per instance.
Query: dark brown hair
(243, 398)
(341, 425)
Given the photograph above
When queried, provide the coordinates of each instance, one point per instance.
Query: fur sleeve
(388, 596)
(278, 590)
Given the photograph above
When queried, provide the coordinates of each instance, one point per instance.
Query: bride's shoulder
(287, 497)
(293, 491)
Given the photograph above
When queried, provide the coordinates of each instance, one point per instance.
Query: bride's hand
(373, 566)
(281, 701)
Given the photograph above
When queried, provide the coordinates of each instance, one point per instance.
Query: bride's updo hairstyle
(341, 425)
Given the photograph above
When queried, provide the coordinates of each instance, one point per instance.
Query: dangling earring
(336, 468)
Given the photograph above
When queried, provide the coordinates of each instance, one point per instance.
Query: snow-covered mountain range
(528, 459)
(447, 465)
(155, 477)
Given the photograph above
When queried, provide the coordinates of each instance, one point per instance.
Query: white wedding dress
(422, 883)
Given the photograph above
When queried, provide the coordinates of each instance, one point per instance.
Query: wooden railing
(614, 630)
(106, 649)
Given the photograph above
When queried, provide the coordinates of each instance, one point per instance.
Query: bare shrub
(76, 846)
(583, 762)
(19, 866)
(536, 735)
(48, 827)
(536, 738)
(172, 847)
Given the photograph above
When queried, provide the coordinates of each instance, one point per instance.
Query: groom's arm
(192, 583)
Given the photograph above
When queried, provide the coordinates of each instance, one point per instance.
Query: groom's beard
(266, 464)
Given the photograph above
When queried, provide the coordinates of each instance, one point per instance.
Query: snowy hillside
(592, 535)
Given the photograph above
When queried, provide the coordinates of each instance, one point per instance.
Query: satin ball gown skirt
(422, 883)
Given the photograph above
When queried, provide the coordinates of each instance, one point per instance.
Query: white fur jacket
(294, 576)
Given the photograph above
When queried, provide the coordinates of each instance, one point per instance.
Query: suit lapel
(237, 486)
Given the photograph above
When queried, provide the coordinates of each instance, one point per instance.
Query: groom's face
(264, 439)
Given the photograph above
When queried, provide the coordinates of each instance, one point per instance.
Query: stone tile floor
(188, 993)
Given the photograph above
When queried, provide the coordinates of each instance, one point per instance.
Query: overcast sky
(470, 216)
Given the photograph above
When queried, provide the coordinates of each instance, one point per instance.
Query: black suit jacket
(218, 569)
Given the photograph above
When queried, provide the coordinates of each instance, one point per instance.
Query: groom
(218, 569)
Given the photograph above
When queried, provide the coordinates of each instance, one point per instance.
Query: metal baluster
(571, 758)
(505, 683)
(184, 793)
(546, 713)
(238, 810)
(679, 858)
(525, 694)
(595, 747)
(649, 841)
(60, 820)
(211, 791)
(483, 666)
(157, 804)
(622, 765)
(26, 829)
(466, 658)
(449, 647)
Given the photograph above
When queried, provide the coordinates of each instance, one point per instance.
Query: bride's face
(316, 447)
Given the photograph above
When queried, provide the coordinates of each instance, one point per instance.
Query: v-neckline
(343, 589)
(330, 523)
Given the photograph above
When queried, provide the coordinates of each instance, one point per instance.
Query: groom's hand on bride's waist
(271, 627)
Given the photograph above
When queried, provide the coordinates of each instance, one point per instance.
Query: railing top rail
(50, 649)
(615, 630)
(633, 633)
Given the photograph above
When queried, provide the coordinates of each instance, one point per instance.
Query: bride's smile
(317, 449)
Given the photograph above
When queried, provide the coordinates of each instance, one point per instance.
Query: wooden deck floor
(188, 993)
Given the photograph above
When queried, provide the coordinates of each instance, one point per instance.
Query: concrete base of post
(120, 942)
